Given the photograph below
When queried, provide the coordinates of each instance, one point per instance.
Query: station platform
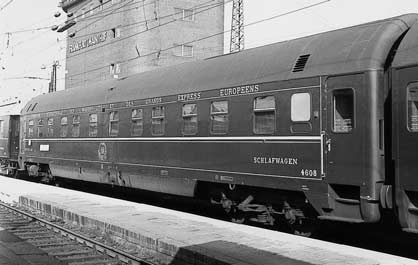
(182, 238)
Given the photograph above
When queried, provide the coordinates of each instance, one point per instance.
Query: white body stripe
(182, 139)
(178, 168)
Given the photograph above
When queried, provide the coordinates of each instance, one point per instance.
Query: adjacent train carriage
(294, 129)
(404, 141)
(9, 136)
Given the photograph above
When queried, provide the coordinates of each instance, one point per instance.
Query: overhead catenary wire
(198, 5)
(6, 5)
(146, 20)
(146, 30)
(200, 39)
(207, 37)
(172, 21)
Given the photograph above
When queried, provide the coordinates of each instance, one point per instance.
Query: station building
(117, 38)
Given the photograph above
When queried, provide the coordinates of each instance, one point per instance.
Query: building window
(116, 32)
(91, 10)
(189, 114)
(75, 132)
(30, 128)
(264, 115)
(219, 117)
(114, 69)
(186, 50)
(50, 131)
(157, 123)
(100, 5)
(300, 107)
(93, 125)
(343, 110)
(113, 123)
(64, 127)
(413, 108)
(184, 14)
(40, 128)
(137, 122)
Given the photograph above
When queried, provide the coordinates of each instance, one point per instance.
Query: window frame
(254, 111)
(115, 112)
(31, 125)
(189, 116)
(310, 107)
(62, 126)
(161, 117)
(182, 15)
(353, 126)
(40, 126)
(408, 87)
(96, 123)
(183, 49)
(135, 119)
(50, 127)
(75, 124)
(212, 114)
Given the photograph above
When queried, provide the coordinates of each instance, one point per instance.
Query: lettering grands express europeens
(240, 90)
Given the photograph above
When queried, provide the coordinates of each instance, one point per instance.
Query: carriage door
(406, 123)
(344, 141)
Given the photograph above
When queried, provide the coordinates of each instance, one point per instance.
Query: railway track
(64, 244)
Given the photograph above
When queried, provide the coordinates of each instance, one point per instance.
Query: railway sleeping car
(9, 136)
(295, 131)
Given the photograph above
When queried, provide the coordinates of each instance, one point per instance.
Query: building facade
(117, 38)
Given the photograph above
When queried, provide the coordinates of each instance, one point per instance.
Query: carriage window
(113, 123)
(64, 127)
(189, 114)
(50, 131)
(30, 128)
(264, 115)
(300, 107)
(413, 108)
(137, 122)
(158, 125)
(343, 113)
(219, 117)
(75, 132)
(40, 128)
(93, 125)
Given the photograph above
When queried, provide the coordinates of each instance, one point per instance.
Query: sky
(32, 53)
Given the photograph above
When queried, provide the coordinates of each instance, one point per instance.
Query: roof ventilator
(301, 63)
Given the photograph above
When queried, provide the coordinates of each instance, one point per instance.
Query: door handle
(328, 143)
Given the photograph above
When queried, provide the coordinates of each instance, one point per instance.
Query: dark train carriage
(288, 125)
(9, 136)
(405, 130)
(9, 142)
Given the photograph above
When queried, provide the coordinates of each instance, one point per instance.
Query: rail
(98, 246)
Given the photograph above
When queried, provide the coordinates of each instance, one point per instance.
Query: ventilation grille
(301, 63)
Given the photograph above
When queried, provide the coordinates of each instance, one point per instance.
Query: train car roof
(407, 53)
(358, 48)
